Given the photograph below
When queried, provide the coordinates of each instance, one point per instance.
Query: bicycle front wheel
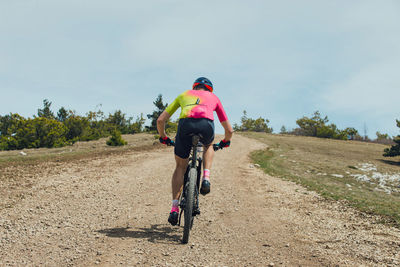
(190, 197)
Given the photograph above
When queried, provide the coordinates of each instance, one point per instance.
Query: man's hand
(224, 143)
(166, 141)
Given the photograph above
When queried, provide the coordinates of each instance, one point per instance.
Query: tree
(9, 127)
(97, 125)
(317, 126)
(253, 125)
(351, 133)
(310, 126)
(394, 150)
(45, 130)
(78, 128)
(160, 107)
(382, 137)
(137, 126)
(10, 123)
(48, 133)
(46, 111)
(283, 130)
(62, 114)
(119, 121)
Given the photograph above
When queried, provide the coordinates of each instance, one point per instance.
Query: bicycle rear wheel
(190, 197)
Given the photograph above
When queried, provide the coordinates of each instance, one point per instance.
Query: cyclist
(197, 107)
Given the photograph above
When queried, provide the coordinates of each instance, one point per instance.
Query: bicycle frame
(189, 198)
(195, 161)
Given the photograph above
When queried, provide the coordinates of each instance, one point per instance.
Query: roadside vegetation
(248, 124)
(80, 150)
(355, 172)
(316, 154)
(49, 130)
(394, 150)
(318, 126)
(66, 127)
(116, 139)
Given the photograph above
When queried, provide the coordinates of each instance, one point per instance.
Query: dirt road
(113, 211)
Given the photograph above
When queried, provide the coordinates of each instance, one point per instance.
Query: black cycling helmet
(203, 81)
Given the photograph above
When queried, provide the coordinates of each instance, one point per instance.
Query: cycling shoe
(205, 187)
(173, 218)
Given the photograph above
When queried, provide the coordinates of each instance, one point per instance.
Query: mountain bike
(189, 198)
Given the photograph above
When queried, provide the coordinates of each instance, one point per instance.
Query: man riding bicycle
(197, 107)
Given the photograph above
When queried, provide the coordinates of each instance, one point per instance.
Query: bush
(43, 132)
(310, 126)
(351, 133)
(32, 133)
(47, 130)
(317, 126)
(253, 125)
(78, 128)
(382, 138)
(137, 126)
(116, 139)
(395, 149)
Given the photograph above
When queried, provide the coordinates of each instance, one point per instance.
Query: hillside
(109, 207)
(353, 171)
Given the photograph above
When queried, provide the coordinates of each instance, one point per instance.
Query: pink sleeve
(220, 112)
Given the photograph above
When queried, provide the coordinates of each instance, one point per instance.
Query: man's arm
(164, 117)
(228, 130)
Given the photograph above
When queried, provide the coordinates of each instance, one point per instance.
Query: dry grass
(79, 150)
(334, 169)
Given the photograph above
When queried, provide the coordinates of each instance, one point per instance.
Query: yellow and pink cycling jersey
(197, 104)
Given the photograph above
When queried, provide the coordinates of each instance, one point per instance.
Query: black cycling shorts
(186, 128)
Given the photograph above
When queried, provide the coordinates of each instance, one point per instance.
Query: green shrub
(317, 126)
(253, 125)
(394, 150)
(32, 133)
(47, 130)
(116, 139)
(138, 125)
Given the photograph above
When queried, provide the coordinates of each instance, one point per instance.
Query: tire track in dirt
(113, 211)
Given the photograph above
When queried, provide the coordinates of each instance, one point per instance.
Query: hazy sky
(279, 60)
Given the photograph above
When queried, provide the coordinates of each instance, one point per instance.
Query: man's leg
(208, 156)
(177, 177)
(176, 183)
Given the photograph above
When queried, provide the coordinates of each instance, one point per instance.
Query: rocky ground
(113, 210)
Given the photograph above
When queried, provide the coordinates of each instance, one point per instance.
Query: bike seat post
(195, 140)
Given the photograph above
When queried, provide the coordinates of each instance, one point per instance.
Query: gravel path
(113, 211)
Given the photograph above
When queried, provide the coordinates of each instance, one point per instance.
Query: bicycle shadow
(156, 233)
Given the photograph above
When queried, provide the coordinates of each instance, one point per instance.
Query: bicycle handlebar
(215, 146)
(172, 143)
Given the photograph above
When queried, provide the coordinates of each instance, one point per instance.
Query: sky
(279, 60)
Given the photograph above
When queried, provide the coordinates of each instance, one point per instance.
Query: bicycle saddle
(196, 138)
